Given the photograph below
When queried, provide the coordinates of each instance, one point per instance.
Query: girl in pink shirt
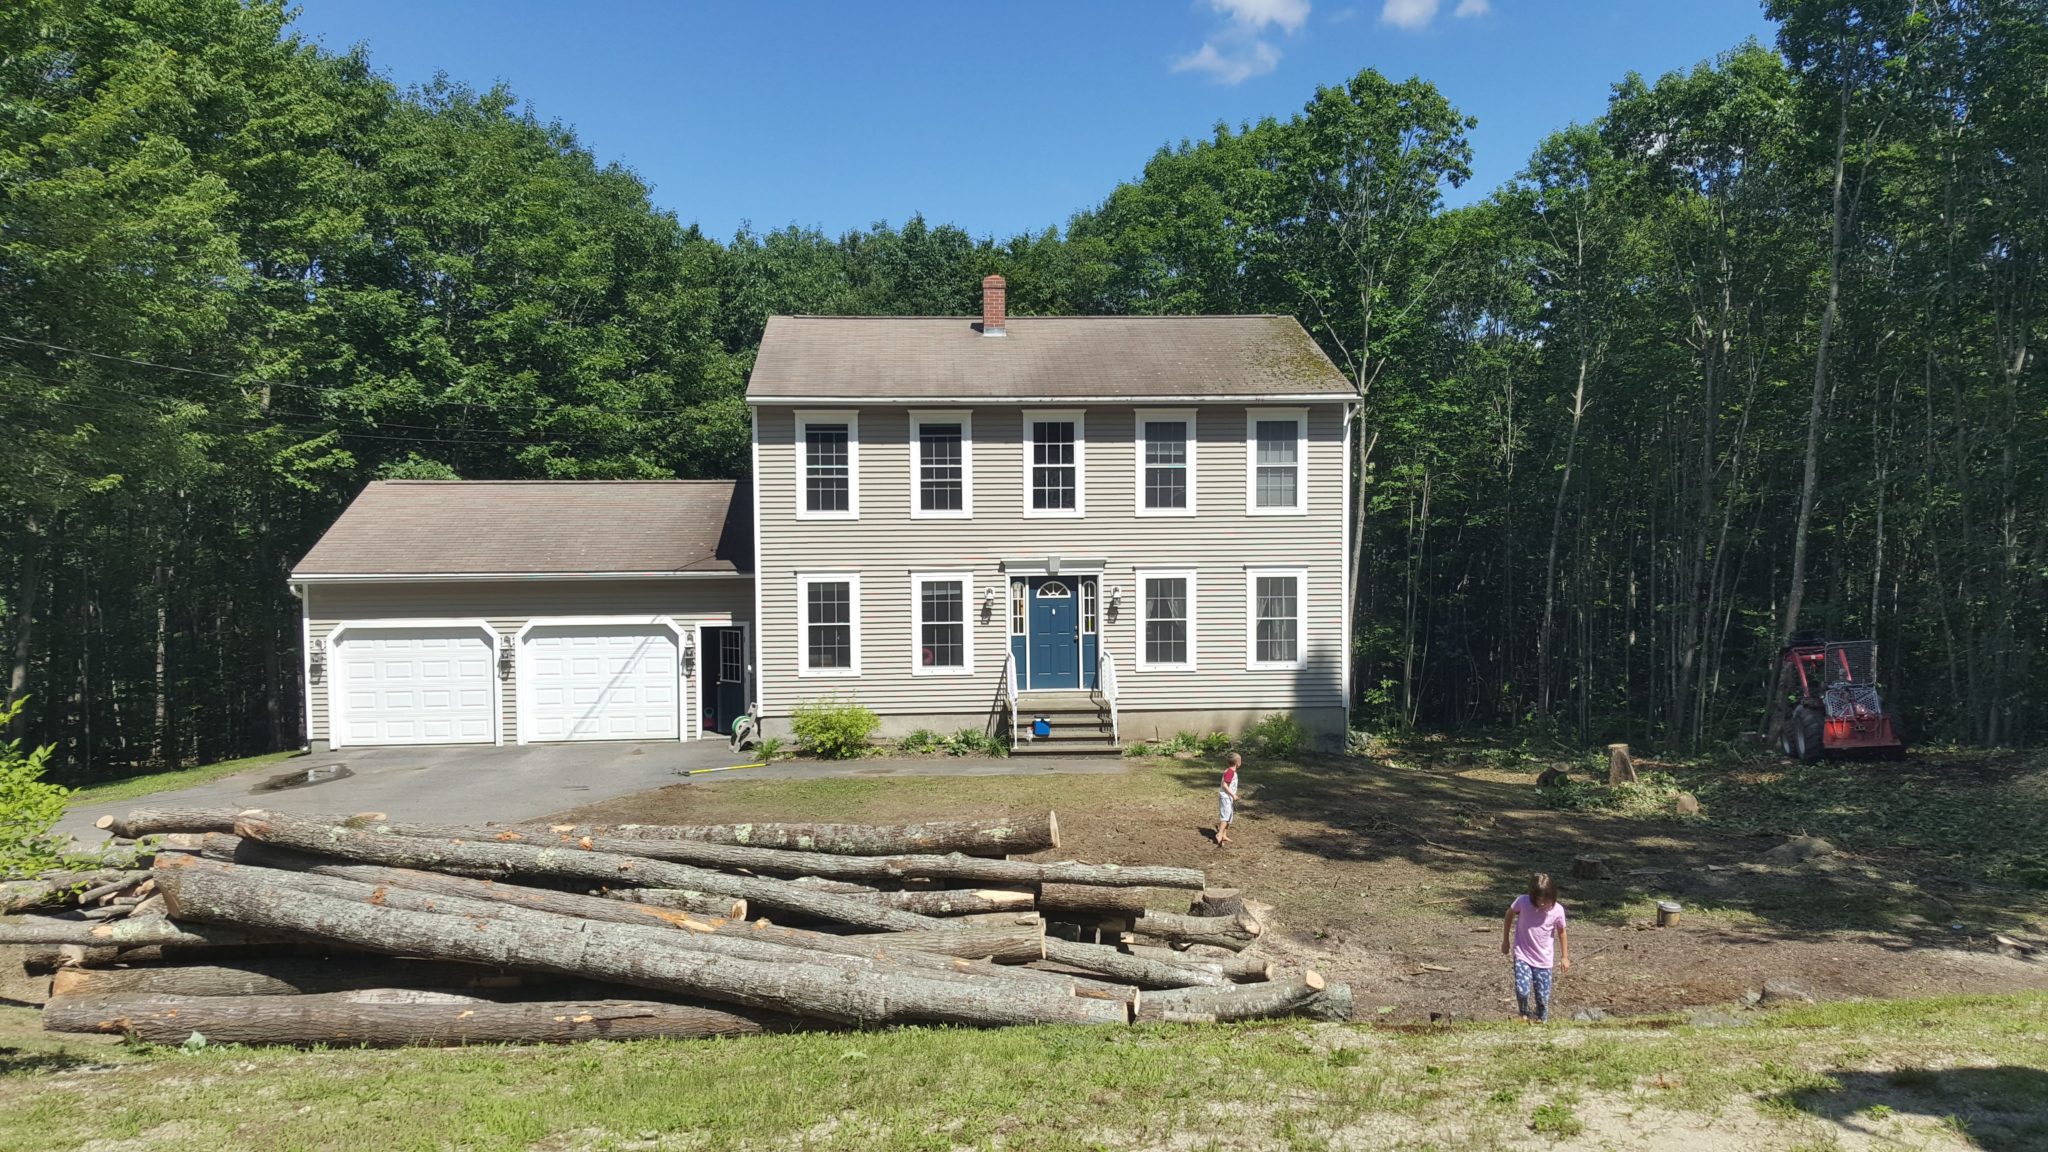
(1534, 922)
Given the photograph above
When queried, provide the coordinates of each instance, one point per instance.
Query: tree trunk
(59, 887)
(738, 857)
(945, 901)
(1620, 767)
(1307, 994)
(831, 991)
(142, 822)
(1012, 837)
(1133, 969)
(30, 588)
(284, 977)
(133, 932)
(1218, 902)
(340, 1020)
(1233, 932)
(311, 835)
(235, 850)
(1093, 898)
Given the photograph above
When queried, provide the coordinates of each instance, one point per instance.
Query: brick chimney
(993, 298)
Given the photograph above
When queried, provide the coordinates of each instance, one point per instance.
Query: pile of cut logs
(264, 927)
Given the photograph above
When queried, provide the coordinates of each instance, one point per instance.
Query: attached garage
(458, 612)
(415, 685)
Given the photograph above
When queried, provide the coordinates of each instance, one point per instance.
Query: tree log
(1621, 769)
(344, 1019)
(1101, 901)
(1233, 932)
(374, 847)
(155, 821)
(1218, 902)
(133, 931)
(234, 849)
(1591, 868)
(60, 887)
(1239, 1001)
(949, 901)
(956, 866)
(1014, 837)
(1133, 969)
(284, 977)
(833, 991)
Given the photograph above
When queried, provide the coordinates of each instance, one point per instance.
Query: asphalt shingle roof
(1041, 358)
(552, 527)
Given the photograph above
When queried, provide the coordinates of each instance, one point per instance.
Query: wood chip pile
(264, 927)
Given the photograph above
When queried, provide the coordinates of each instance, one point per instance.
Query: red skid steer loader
(1836, 709)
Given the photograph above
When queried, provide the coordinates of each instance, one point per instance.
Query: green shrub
(920, 740)
(1215, 744)
(1277, 735)
(29, 806)
(768, 748)
(975, 742)
(1141, 748)
(1182, 742)
(834, 730)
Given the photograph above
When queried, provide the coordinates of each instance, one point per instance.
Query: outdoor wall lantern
(316, 658)
(506, 657)
(689, 654)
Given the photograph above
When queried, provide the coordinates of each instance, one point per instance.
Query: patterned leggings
(1531, 981)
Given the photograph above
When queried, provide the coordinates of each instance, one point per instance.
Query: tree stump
(1591, 868)
(1620, 768)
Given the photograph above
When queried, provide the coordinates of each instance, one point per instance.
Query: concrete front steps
(1080, 725)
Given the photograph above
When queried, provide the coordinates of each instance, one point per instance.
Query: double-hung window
(828, 616)
(827, 466)
(1166, 462)
(1276, 461)
(942, 465)
(1273, 609)
(1055, 458)
(1166, 620)
(940, 604)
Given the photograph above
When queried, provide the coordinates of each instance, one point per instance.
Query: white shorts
(1223, 809)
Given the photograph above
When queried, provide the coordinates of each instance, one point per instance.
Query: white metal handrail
(1010, 690)
(1105, 679)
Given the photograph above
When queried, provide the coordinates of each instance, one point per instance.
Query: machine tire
(1808, 738)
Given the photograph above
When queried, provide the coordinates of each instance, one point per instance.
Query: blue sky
(999, 117)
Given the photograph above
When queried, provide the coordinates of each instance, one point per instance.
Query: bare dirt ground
(1392, 871)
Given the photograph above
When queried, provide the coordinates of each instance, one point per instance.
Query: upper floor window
(942, 468)
(828, 616)
(1166, 462)
(828, 465)
(944, 641)
(1276, 455)
(1166, 620)
(1055, 449)
(1274, 608)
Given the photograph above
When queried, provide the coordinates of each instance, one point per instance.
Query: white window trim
(804, 580)
(1032, 416)
(1164, 414)
(1140, 577)
(967, 610)
(1251, 620)
(1252, 416)
(850, 418)
(965, 419)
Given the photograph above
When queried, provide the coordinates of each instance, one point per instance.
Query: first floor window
(1276, 619)
(831, 629)
(941, 606)
(1167, 620)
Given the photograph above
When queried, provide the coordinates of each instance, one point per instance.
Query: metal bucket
(1667, 913)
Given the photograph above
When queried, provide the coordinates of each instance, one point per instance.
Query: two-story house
(1144, 511)
(1133, 526)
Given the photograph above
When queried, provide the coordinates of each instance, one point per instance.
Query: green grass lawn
(1974, 1070)
(138, 786)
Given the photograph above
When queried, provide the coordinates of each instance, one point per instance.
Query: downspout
(303, 595)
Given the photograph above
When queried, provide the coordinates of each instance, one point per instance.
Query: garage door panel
(601, 682)
(416, 686)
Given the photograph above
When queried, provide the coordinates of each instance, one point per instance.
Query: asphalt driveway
(475, 783)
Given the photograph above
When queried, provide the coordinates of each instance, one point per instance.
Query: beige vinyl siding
(509, 604)
(886, 545)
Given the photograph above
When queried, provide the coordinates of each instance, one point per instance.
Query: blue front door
(1054, 634)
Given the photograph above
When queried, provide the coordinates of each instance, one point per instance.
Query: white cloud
(1413, 15)
(1256, 14)
(1239, 51)
(1234, 64)
(1468, 8)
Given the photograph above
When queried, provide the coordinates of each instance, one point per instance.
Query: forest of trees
(1756, 350)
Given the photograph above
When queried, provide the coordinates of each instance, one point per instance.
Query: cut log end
(1052, 824)
(1314, 979)
(104, 822)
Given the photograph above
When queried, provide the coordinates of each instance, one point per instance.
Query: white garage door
(601, 682)
(415, 686)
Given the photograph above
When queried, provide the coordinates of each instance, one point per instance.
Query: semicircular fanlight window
(1053, 590)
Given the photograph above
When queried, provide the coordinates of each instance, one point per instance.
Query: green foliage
(1651, 795)
(1279, 735)
(1180, 744)
(833, 729)
(1557, 1120)
(920, 740)
(1141, 748)
(29, 805)
(1214, 744)
(976, 742)
(768, 748)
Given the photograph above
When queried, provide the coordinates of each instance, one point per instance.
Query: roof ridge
(1064, 316)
